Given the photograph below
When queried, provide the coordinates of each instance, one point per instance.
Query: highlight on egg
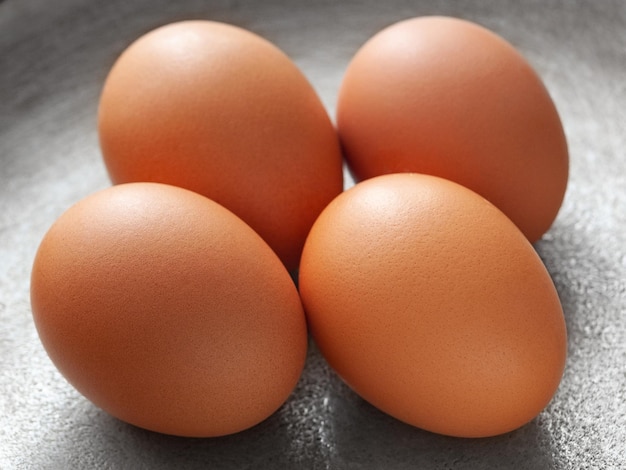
(448, 97)
(167, 311)
(432, 305)
(219, 110)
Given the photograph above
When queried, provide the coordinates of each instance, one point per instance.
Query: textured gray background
(54, 56)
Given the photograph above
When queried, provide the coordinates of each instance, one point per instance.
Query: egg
(167, 311)
(450, 98)
(433, 306)
(217, 109)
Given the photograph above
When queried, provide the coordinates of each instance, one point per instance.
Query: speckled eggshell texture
(167, 311)
(431, 304)
(219, 110)
(448, 97)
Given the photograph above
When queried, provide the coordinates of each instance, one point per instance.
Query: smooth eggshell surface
(167, 311)
(447, 97)
(221, 111)
(431, 304)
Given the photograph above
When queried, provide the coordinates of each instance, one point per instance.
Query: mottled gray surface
(54, 56)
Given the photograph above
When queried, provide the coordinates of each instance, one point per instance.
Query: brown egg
(216, 109)
(167, 311)
(431, 304)
(447, 97)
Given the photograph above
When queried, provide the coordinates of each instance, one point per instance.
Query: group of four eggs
(173, 309)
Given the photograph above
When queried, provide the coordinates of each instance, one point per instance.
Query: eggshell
(447, 97)
(431, 304)
(219, 110)
(167, 311)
